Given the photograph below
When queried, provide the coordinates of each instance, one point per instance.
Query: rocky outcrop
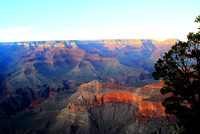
(109, 108)
(151, 109)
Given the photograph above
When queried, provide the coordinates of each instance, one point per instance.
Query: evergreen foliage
(180, 70)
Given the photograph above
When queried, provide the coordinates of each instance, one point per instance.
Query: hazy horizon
(89, 40)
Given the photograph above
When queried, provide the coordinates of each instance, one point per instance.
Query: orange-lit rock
(151, 109)
(158, 85)
(147, 99)
(121, 97)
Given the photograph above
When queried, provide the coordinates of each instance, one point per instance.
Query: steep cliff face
(109, 108)
(96, 94)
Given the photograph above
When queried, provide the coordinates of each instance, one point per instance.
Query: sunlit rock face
(110, 108)
(30, 70)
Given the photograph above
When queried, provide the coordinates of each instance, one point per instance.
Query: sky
(35, 20)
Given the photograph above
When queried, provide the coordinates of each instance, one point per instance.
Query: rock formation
(109, 108)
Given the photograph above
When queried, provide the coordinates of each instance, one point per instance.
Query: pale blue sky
(23, 20)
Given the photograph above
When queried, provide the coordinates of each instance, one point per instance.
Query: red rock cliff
(94, 94)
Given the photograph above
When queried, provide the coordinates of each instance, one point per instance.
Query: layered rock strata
(110, 108)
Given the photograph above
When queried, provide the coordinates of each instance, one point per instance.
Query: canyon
(83, 86)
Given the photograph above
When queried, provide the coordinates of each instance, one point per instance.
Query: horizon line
(91, 40)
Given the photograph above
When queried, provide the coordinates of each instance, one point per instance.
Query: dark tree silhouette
(180, 70)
